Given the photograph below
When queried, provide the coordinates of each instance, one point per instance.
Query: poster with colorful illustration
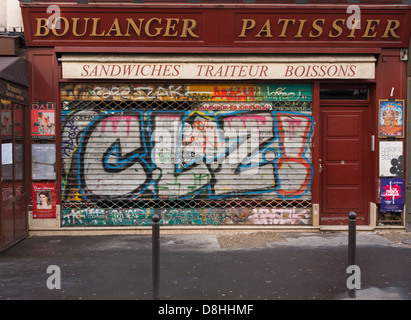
(391, 123)
(392, 195)
(6, 118)
(43, 120)
(44, 200)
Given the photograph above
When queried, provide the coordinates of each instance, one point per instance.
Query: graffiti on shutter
(196, 154)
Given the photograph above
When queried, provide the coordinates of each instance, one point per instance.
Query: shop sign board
(248, 68)
(13, 92)
(210, 26)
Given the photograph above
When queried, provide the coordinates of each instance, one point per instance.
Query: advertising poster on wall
(391, 123)
(6, 123)
(43, 161)
(392, 195)
(11, 120)
(43, 120)
(391, 159)
(44, 200)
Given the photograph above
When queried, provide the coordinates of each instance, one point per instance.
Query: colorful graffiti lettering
(250, 142)
(193, 92)
(179, 154)
(210, 216)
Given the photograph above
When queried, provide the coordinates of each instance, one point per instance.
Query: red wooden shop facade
(13, 102)
(308, 79)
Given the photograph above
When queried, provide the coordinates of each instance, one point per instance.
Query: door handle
(320, 168)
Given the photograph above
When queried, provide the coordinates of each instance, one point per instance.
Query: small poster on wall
(391, 159)
(43, 161)
(391, 122)
(44, 200)
(43, 120)
(392, 195)
(6, 123)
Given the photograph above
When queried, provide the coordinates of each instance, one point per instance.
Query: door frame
(364, 174)
(370, 161)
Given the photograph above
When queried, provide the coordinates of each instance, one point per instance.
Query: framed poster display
(391, 159)
(391, 119)
(44, 200)
(43, 161)
(43, 123)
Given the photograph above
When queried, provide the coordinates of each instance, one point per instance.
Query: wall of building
(10, 16)
(392, 86)
(103, 177)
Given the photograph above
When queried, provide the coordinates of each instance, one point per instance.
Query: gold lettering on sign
(287, 28)
(283, 33)
(147, 28)
(42, 30)
(337, 28)
(95, 27)
(75, 23)
(171, 26)
(265, 29)
(137, 29)
(391, 29)
(188, 27)
(300, 29)
(94, 32)
(115, 27)
(65, 29)
(318, 28)
(354, 28)
(370, 28)
(249, 28)
(248, 24)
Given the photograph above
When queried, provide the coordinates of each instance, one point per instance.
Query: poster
(6, 162)
(392, 195)
(44, 200)
(391, 159)
(43, 124)
(391, 123)
(43, 161)
(6, 124)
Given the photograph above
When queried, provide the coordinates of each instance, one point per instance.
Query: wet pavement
(303, 266)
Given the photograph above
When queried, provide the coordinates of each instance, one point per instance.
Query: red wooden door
(342, 166)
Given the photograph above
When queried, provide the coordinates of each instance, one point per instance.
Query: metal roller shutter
(196, 154)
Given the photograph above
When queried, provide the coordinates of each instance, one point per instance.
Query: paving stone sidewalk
(220, 266)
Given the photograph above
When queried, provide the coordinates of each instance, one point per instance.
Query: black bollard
(156, 255)
(351, 245)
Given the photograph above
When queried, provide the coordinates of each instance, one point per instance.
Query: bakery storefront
(13, 190)
(228, 115)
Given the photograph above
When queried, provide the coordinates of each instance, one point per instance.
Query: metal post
(351, 245)
(156, 255)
